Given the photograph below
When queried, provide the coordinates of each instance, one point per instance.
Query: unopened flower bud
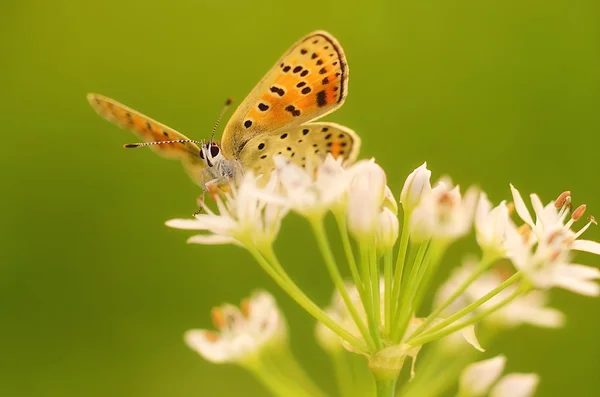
(365, 198)
(417, 184)
(387, 231)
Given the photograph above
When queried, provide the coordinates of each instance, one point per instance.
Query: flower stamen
(562, 199)
(218, 319)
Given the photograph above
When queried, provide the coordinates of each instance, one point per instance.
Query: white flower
(516, 385)
(443, 213)
(365, 198)
(529, 308)
(477, 378)
(310, 192)
(387, 230)
(328, 339)
(544, 255)
(416, 186)
(490, 226)
(242, 334)
(243, 215)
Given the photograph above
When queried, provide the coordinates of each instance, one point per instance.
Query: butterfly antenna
(223, 110)
(134, 145)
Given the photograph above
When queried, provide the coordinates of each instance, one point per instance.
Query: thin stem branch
(374, 270)
(431, 336)
(298, 295)
(338, 281)
(406, 308)
(481, 268)
(343, 229)
(400, 262)
(368, 297)
(387, 298)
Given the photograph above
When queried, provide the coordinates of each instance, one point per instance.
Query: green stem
(434, 261)
(433, 335)
(343, 228)
(298, 295)
(274, 382)
(406, 308)
(374, 270)
(400, 262)
(338, 281)
(469, 308)
(386, 388)
(343, 373)
(281, 360)
(387, 297)
(368, 298)
(483, 266)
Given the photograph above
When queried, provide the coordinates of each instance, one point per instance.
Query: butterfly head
(210, 152)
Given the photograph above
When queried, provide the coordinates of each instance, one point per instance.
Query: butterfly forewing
(309, 81)
(306, 144)
(149, 130)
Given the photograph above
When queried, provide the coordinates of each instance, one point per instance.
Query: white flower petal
(417, 185)
(538, 209)
(521, 207)
(186, 224)
(477, 378)
(212, 239)
(578, 279)
(469, 334)
(587, 246)
(213, 350)
(531, 309)
(516, 385)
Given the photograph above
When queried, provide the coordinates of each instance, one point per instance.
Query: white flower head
(313, 190)
(516, 385)
(416, 186)
(242, 334)
(491, 225)
(443, 213)
(365, 198)
(544, 253)
(529, 308)
(243, 215)
(326, 338)
(477, 379)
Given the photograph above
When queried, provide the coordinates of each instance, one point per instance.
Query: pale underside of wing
(309, 81)
(305, 144)
(149, 130)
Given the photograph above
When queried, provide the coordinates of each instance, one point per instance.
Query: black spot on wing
(321, 99)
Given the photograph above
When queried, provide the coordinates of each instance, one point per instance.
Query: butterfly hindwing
(150, 130)
(304, 144)
(309, 81)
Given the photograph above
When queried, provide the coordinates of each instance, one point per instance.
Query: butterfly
(277, 118)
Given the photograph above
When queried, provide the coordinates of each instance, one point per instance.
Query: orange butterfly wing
(150, 130)
(309, 81)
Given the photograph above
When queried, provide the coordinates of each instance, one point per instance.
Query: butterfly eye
(214, 151)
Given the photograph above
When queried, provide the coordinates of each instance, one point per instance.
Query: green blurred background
(95, 292)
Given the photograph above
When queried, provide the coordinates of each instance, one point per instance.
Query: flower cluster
(380, 314)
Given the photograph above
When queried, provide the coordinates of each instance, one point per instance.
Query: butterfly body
(277, 118)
